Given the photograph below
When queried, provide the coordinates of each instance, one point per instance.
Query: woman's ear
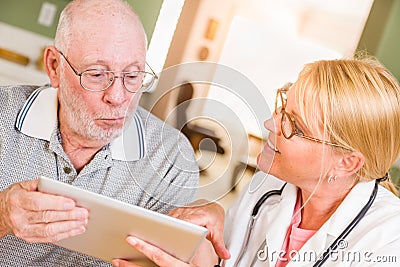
(52, 65)
(349, 164)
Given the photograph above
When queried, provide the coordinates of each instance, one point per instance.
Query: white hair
(83, 10)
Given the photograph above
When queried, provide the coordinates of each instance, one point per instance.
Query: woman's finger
(155, 254)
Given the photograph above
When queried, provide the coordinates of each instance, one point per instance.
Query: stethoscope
(334, 244)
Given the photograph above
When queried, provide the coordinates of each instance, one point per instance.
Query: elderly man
(86, 129)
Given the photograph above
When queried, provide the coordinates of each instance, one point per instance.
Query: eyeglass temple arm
(155, 75)
(73, 69)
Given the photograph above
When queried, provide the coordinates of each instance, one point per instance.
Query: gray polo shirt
(151, 165)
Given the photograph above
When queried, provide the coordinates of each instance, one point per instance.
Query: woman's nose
(272, 123)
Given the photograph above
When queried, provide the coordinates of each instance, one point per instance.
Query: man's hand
(210, 215)
(38, 217)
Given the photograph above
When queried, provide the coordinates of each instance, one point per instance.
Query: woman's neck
(319, 206)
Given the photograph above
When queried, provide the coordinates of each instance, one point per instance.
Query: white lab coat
(374, 240)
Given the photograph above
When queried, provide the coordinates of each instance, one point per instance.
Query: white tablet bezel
(111, 221)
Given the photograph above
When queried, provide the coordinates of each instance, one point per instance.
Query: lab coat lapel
(313, 248)
(278, 221)
(350, 207)
(331, 229)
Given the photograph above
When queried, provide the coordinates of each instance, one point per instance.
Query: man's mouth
(111, 120)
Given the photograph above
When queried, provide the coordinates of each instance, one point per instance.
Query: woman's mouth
(272, 146)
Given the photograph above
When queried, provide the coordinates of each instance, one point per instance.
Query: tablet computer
(111, 221)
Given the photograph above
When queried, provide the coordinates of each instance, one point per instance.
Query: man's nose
(116, 94)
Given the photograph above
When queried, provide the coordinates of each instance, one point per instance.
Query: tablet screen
(111, 221)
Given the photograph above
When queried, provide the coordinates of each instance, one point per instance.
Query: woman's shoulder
(378, 231)
(387, 202)
(384, 214)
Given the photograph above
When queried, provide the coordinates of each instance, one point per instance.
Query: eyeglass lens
(287, 126)
(100, 80)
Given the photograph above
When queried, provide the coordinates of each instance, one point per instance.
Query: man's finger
(219, 247)
(52, 232)
(29, 185)
(37, 201)
(48, 216)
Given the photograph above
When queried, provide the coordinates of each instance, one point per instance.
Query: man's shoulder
(17, 91)
(151, 122)
(13, 97)
(144, 114)
(158, 131)
(28, 89)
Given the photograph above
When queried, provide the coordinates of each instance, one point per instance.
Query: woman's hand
(207, 214)
(210, 215)
(205, 255)
(155, 254)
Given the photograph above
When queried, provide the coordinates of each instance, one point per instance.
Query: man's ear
(52, 65)
(349, 164)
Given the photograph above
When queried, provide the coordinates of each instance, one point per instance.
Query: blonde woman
(323, 196)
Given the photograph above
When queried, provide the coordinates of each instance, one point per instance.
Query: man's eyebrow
(105, 64)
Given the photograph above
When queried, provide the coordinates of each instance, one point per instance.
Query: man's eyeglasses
(97, 80)
(289, 128)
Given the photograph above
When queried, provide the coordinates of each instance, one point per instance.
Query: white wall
(270, 40)
(27, 44)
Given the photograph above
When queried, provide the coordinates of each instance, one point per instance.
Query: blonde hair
(359, 100)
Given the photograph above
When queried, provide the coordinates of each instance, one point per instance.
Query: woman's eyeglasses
(289, 127)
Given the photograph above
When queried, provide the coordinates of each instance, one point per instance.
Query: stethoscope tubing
(265, 197)
(349, 228)
(254, 213)
(329, 250)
